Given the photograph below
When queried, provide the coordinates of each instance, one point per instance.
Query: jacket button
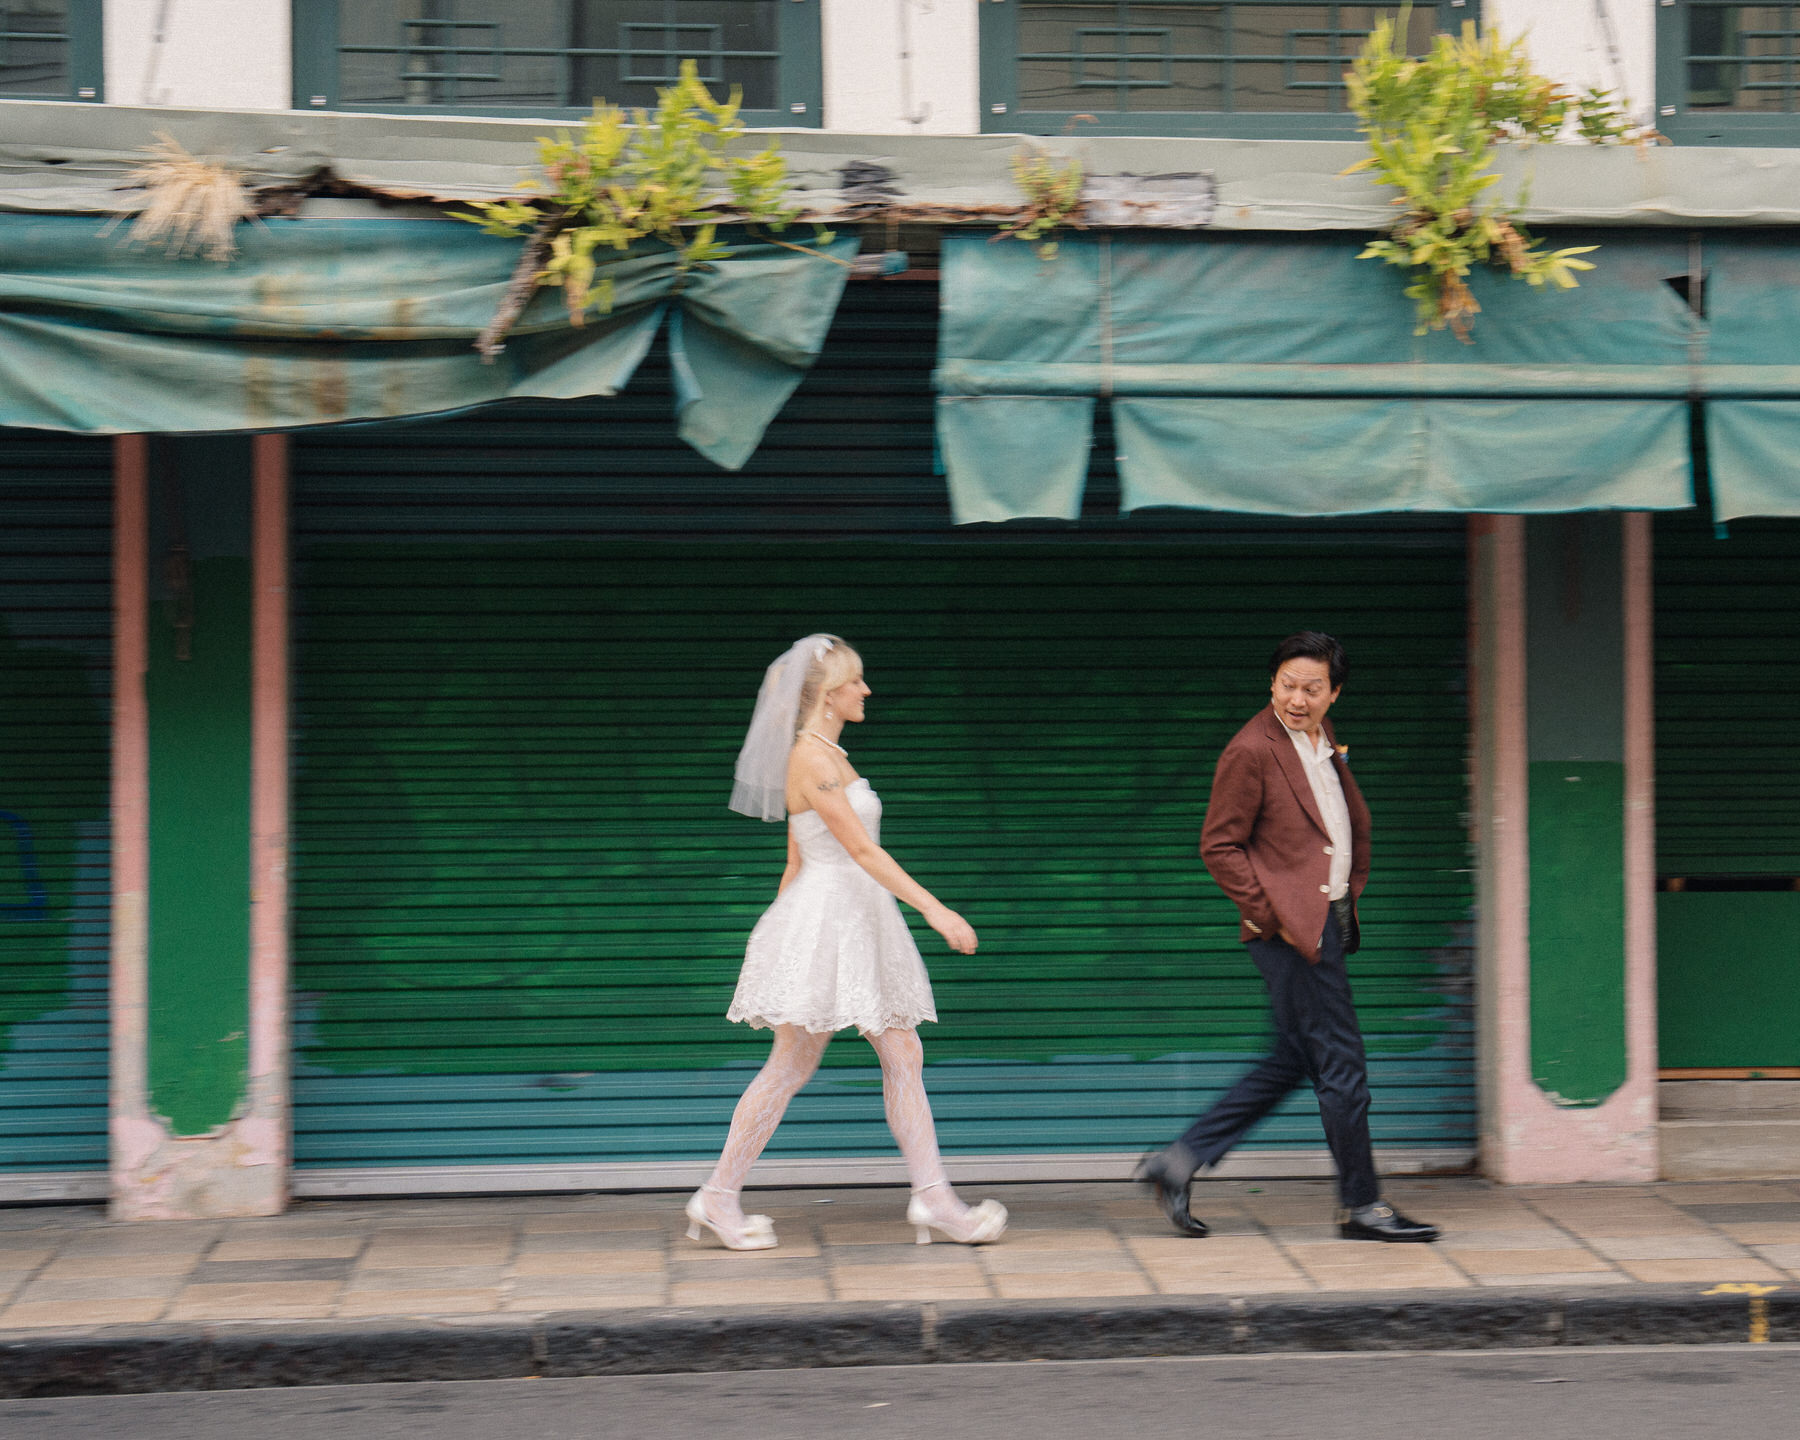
(1330, 851)
(1324, 889)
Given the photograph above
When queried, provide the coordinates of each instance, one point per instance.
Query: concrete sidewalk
(508, 1267)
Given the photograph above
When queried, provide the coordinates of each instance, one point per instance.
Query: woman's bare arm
(821, 779)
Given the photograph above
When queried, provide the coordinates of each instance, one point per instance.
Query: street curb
(135, 1359)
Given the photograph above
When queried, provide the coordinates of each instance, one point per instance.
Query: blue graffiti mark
(37, 898)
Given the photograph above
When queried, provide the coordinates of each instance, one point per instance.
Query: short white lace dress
(833, 951)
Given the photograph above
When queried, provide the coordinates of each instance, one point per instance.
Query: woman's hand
(958, 933)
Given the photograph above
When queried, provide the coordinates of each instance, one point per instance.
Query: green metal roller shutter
(55, 683)
(1725, 610)
(1727, 794)
(527, 642)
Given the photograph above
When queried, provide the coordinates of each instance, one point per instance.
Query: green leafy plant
(1052, 199)
(667, 176)
(1432, 124)
(1601, 119)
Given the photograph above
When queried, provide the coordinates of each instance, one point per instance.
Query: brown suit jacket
(1265, 841)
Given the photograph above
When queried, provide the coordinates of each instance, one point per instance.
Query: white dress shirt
(1328, 792)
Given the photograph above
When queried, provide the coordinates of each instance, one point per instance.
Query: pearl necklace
(832, 743)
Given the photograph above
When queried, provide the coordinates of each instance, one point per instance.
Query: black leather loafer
(1171, 1194)
(1384, 1222)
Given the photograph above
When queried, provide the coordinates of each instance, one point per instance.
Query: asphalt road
(1640, 1393)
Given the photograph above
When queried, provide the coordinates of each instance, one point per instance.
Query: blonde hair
(837, 666)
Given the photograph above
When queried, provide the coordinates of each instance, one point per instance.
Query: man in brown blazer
(1287, 838)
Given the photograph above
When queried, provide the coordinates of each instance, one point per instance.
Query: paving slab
(542, 1285)
(288, 1246)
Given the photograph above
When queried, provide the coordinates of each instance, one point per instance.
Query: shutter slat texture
(528, 641)
(55, 718)
(1725, 613)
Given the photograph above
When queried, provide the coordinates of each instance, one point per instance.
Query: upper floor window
(1264, 68)
(50, 49)
(550, 57)
(1728, 73)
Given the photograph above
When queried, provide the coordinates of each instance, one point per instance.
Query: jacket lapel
(1289, 760)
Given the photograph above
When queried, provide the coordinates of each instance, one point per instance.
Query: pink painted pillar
(1527, 1138)
(130, 979)
(1640, 841)
(270, 1095)
(239, 1167)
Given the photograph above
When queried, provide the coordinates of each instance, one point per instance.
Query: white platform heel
(981, 1225)
(758, 1232)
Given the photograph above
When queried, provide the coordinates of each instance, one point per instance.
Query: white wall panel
(899, 67)
(1609, 43)
(218, 54)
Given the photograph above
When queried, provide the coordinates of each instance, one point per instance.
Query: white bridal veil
(760, 790)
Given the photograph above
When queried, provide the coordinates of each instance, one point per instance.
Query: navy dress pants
(1317, 1040)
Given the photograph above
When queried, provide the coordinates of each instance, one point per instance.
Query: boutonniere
(1343, 751)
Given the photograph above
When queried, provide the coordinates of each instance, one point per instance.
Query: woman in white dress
(833, 951)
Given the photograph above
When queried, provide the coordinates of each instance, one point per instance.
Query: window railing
(554, 57)
(1155, 67)
(1728, 73)
(50, 49)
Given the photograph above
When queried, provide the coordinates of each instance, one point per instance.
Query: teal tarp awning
(1753, 456)
(320, 322)
(1753, 306)
(1280, 375)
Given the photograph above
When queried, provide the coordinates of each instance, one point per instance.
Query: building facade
(944, 67)
(362, 773)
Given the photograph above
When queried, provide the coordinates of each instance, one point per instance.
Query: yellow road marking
(1759, 1305)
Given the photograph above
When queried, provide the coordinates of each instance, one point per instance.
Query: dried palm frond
(194, 205)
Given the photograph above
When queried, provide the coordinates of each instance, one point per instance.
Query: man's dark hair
(1313, 645)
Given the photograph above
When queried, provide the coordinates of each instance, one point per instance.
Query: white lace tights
(792, 1060)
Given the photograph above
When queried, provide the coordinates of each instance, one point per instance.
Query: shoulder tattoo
(831, 785)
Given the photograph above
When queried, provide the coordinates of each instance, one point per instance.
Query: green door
(1727, 795)
(55, 719)
(527, 643)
